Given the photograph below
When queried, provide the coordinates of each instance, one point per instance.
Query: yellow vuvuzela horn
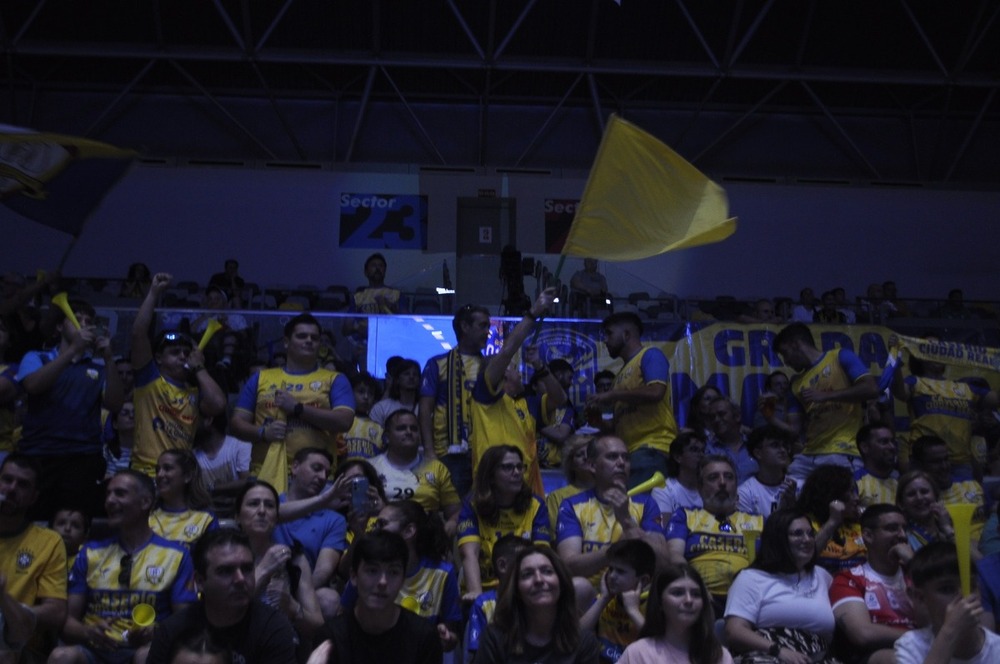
(657, 481)
(212, 327)
(62, 301)
(961, 518)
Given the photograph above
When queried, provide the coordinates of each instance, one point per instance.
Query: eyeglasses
(725, 526)
(125, 574)
(174, 338)
(512, 467)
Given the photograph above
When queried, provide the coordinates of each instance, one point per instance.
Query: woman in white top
(680, 623)
(780, 605)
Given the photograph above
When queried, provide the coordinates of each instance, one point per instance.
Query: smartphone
(359, 494)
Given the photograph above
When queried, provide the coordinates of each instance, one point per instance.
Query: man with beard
(224, 573)
(877, 480)
(711, 539)
(643, 417)
(869, 601)
(593, 520)
(376, 298)
(32, 559)
(110, 577)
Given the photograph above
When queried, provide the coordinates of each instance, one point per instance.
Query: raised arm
(142, 351)
(497, 364)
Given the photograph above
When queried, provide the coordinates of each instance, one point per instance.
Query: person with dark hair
(73, 526)
(699, 406)
(830, 498)
(870, 603)
(780, 605)
(224, 459)
(955, 633)
(505, 550)
(376, 297)
(619, 611)
(110, 577)
(198, 648)
(119, 442)
(282, 574)
(61, 426)
(230, 282)
(9, 393)
(136, 282)
(877, 481)
(644, 418)
(431, 586)
(364, 439)
(402, 391)
(445, 408)
(680, 623)
(770, 487)
(226, 613)
(943, 408)
(172, 387)
(32, 559)
(406, 475)
(283, 409)
(681, 488)
(712, 538)
(829, 390)
(536, 618)
(501, 502)
(772, 405)
(377, 630)
(182, 506)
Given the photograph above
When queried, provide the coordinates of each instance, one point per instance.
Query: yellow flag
(644, 199)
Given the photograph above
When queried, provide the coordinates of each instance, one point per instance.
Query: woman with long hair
(927, 520)
(698, 407)
(681, 488)
(830, 498)
(501, 502)
(536, 618)
(402, 392)
(182, 506)
(283, 577)
(779, 607)
(680, 623)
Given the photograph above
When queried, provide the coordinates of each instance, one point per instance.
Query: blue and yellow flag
(644, 199)
(57, 180)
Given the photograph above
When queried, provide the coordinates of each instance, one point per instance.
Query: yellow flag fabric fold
(644, 199)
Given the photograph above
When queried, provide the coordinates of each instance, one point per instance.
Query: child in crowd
(504, 552)
(619, 610)
(955, 633)
(364, 439)
(73, 525)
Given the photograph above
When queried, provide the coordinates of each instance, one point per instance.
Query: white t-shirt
(757, 498)
(231, 459)
(674, 496)
(386, 407)
(912, 648)
(783, 600)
